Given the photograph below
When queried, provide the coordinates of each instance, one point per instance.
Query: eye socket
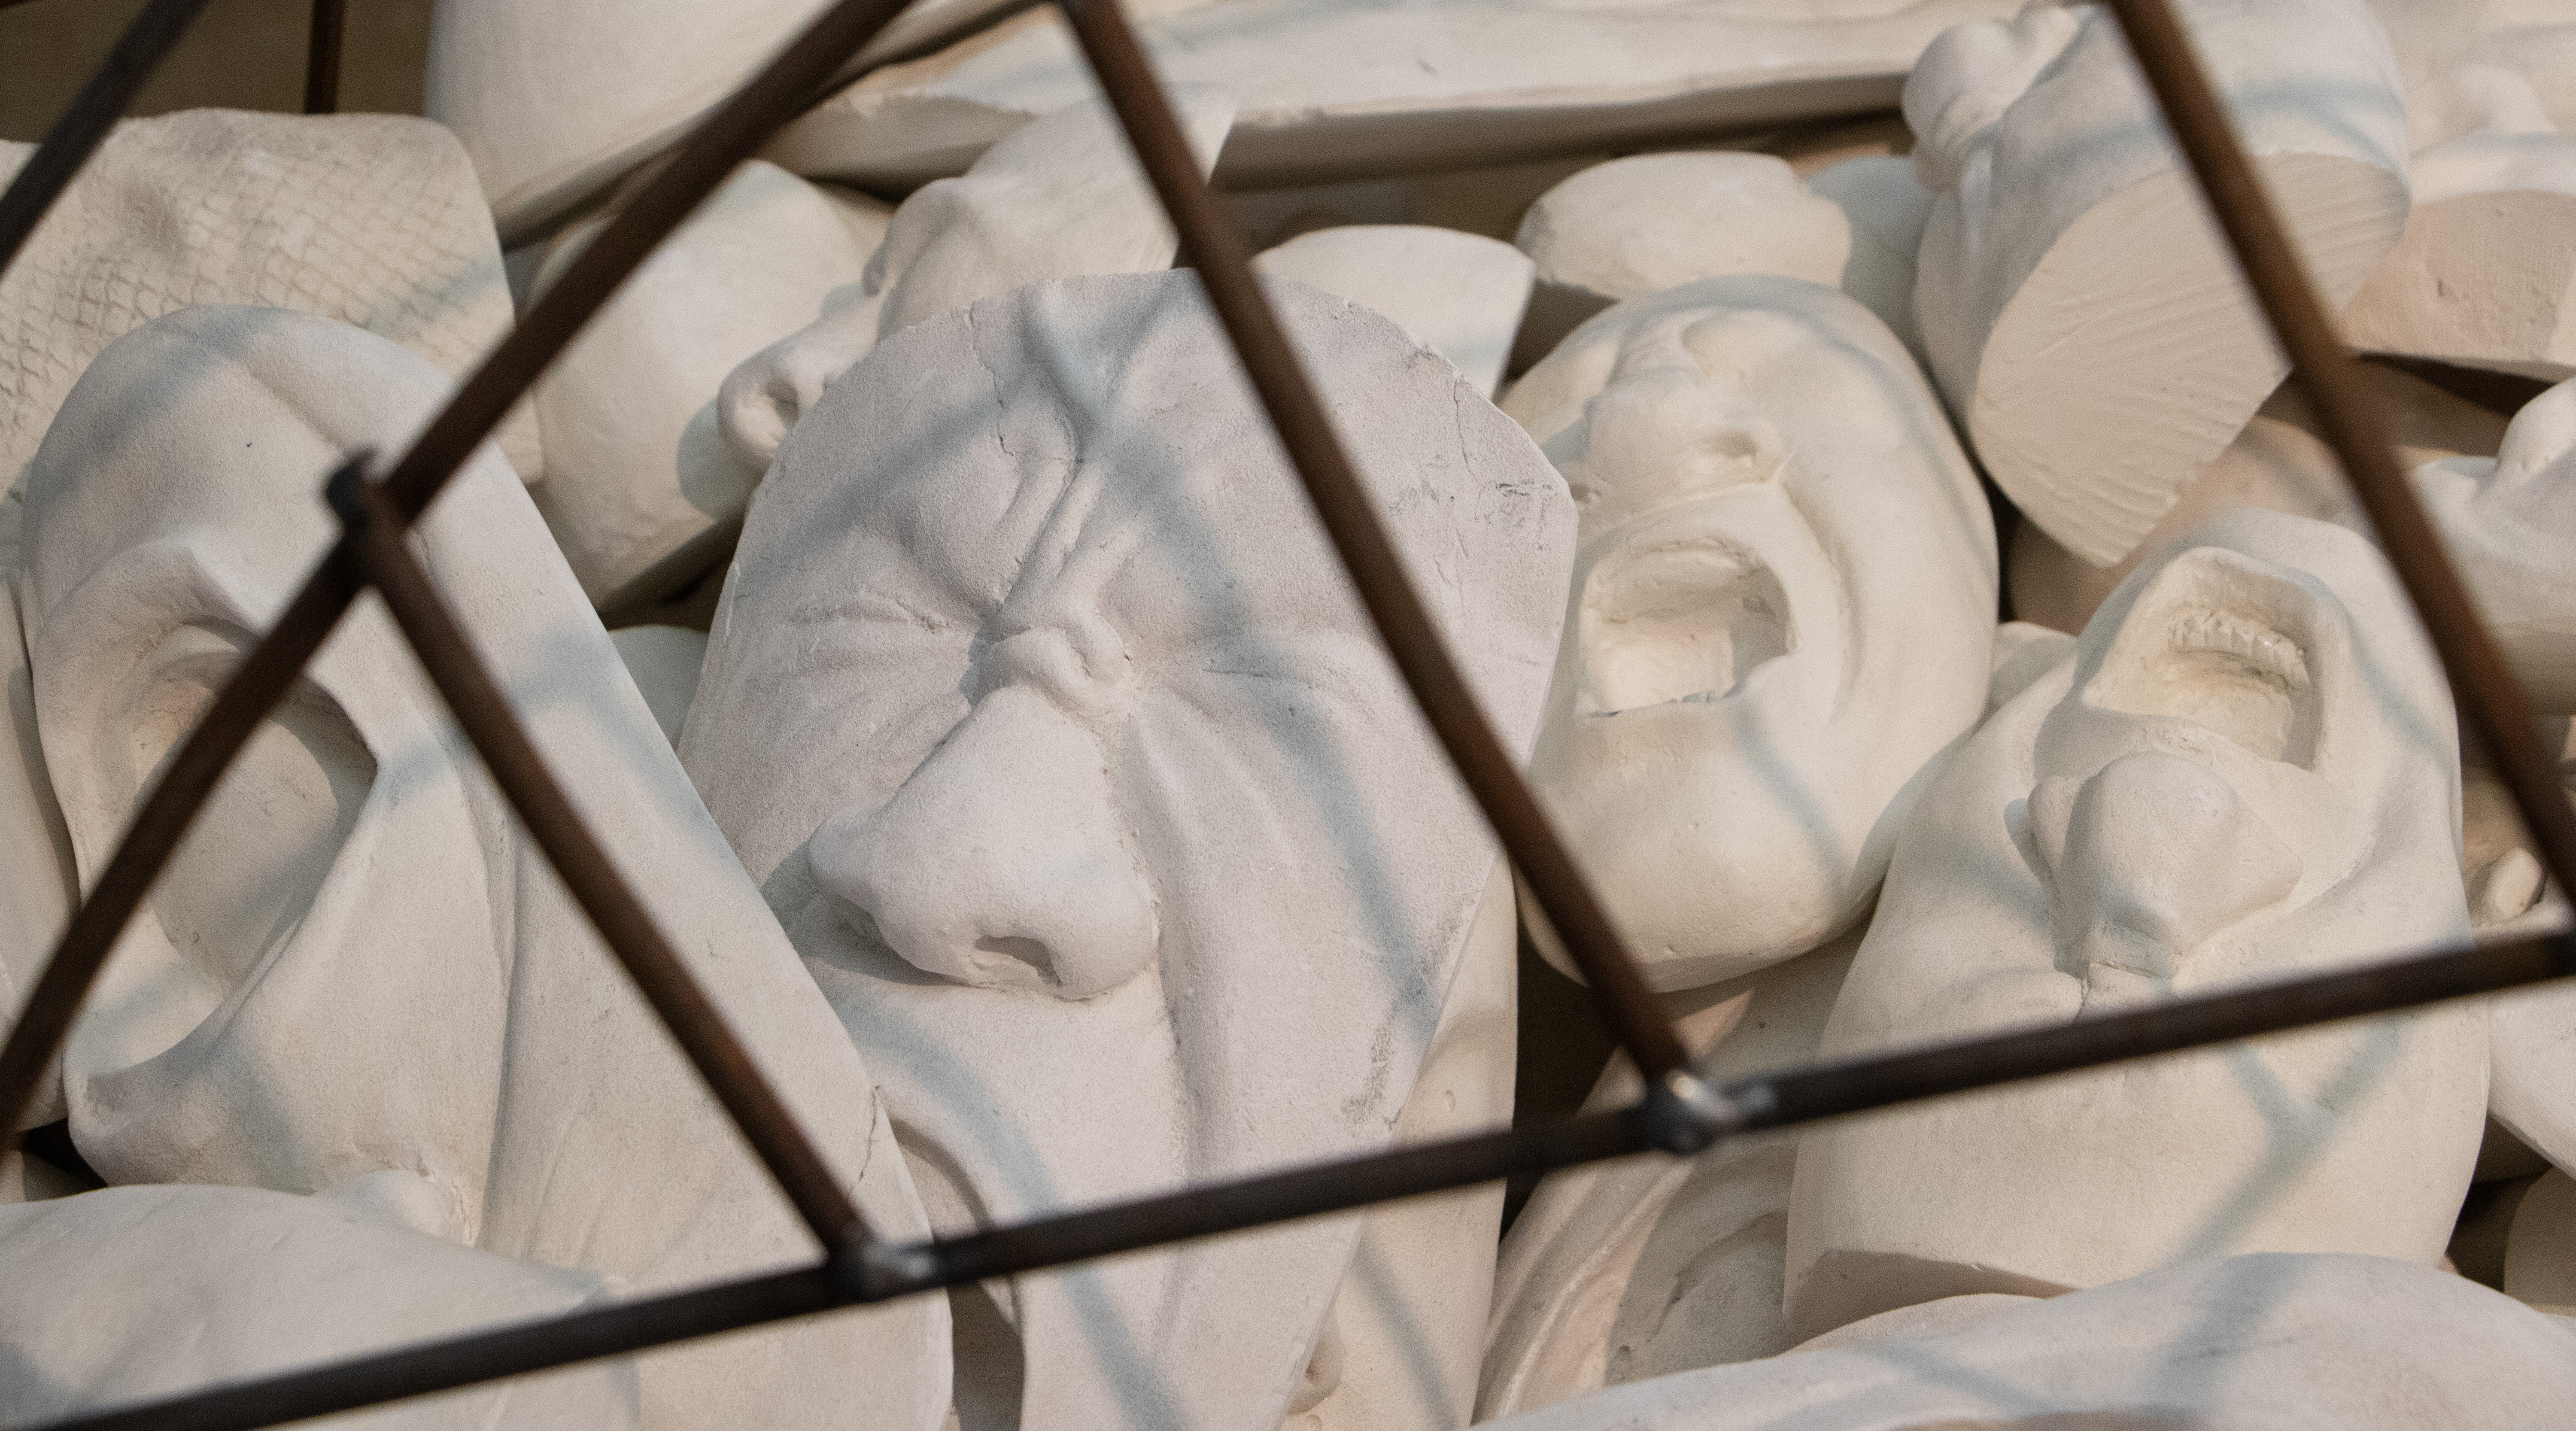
(257, 854)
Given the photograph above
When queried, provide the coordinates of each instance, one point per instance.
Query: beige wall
(241, 54)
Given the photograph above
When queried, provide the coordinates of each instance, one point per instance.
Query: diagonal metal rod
(2485, 688)
(1764, 1101)
(728, 137)
(93, 112)
(1214, 244)
(585, 868)
(322, 48)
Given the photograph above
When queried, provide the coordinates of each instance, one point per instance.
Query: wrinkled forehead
(1163, 548)
(1101, 454)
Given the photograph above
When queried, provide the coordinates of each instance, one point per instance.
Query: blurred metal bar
(1214, 244)
(1765, 1101)
(94, 111)
(2489, 695)
(322, 57)
(585, 868)
(727, 138)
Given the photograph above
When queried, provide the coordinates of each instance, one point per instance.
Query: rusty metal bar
(322, 57)
(727, 138)
(1214, 244)
(585, 868)
(93, 112)
(1764, 1101)
(2489, 695)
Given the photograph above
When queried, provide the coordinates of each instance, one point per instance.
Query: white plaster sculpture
(1038, 709)
(1461, 294)
(1643, 1267)
(132, 1294)
(2506, 886)
(2503, 65)
(2024, 652)
(635, 464)
(1886, 209)
(358, 975)
(1333, 90)
(2266, 1343)
(2509, 524)
(2083, 316)
(2246, 771)
(1059, 199)
(1399, 1344)
(372, 219)
(2509, 892)
(664, 662)
(553, 99)
(2279, 463)
(37, 890)
(2485, 275)
(2536, 41)
(1782, 613)
(1640, 225)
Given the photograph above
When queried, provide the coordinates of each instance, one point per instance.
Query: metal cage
(1680, 1112)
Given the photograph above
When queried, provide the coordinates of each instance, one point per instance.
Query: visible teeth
(2252, 642)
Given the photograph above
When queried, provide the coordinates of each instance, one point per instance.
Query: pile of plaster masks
(903, 582)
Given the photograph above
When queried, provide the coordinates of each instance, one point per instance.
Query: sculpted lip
(2227, 647)
(1679, 619)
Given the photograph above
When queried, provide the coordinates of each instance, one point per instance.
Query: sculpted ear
(2531, 1070)
(82, 651)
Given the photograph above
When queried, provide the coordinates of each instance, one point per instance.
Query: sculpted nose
(1002, 861)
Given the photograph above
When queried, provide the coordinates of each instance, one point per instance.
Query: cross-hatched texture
(375, 220)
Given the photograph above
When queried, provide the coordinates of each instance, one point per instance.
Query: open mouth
(2226, 646)
(1684, 620)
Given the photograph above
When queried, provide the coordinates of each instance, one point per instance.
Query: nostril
(770, 391)
(1031, 954)
(1001, 862)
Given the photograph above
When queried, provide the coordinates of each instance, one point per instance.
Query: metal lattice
(1679, 1114)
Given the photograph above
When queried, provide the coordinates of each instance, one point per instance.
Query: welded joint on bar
(345, 492)
(1683, 1113)
(874, 1270)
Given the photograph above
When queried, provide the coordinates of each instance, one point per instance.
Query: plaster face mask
(1040, 709)
(2080, 309)
(1782, 612)
(1060, 198)
(358, 976)
(130, 1294)
(2510, 523)
(2246, 771)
